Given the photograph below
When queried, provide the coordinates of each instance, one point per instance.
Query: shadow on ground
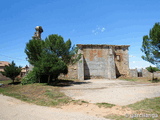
(65, 83)
(15, 83)
(155, 80)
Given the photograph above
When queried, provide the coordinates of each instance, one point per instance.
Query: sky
(115, 22)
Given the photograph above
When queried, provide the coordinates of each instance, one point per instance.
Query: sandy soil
(13, 109)
(116, 92)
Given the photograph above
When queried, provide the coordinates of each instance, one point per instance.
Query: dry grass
(137, 79)
(40, 94)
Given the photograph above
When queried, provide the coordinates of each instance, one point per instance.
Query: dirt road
(116, 92)
(13, 109)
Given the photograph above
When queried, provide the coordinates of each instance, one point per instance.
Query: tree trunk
(39, 80)
(152, 76)
(49, 79)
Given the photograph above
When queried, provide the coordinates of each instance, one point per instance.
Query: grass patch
(6, 81)
(120, 117)
(150, 106)
(130, 117)
(147, 106)
(128, 79)
(106, 105)
(39, 94)
(79, 102)
(137, 79)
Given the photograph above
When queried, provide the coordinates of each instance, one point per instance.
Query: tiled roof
(3, 63)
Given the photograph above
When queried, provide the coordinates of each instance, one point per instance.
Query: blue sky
(116, 22)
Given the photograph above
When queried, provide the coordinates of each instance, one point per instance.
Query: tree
(152, 70)
(51, 66)
(33, 50)
(51, 56)
(11, 71)
(151, 46)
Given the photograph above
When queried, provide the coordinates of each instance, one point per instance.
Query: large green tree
(51, 56)
(151, 46)
(34, 49)
(11, 71)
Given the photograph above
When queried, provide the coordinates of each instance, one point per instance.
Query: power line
(13, 58)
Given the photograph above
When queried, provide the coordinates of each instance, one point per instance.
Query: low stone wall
(133, 73)
(144, 73)
(72, 73)
(157, 75)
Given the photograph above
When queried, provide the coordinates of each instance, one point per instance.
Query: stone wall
(72, 72)
(104, 61)
(157, 75)
(97, 61)
(145, 73)
(121, 60)
(133, 73)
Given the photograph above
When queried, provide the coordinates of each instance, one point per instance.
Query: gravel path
(117, 92)
(13, 109)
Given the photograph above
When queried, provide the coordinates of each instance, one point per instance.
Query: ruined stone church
(100, 61)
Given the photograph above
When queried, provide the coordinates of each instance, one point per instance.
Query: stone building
(100, 61)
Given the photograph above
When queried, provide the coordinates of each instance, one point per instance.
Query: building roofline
(101, 45)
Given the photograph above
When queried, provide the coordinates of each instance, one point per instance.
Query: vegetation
(39, 94)
(30, 78)
(151, 45)
(147, 106)
(106, 105)
(50, 57)
(152, 70)
(11, 71)
(150, 106)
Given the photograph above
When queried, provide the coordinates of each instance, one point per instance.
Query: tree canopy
(152, 69)
(11, 71)
(51, 56)
(151, 46)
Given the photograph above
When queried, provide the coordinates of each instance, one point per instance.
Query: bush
(30, 78)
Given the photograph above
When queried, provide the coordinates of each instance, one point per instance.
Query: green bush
(30, 78)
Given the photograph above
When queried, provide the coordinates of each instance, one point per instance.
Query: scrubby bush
(30, 78)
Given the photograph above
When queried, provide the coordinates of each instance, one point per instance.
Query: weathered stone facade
(101, 61)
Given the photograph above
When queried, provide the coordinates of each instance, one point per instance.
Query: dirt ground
(118, 92)
(14, 109)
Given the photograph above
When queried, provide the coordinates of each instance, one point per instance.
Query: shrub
(30, 78)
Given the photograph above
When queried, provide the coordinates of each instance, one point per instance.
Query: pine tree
(151, 46)
(11, 71)
(51, 56)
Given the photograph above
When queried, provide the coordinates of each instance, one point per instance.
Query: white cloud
(103, 29)
(131, 56)
(98, 30)
(139, 64)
